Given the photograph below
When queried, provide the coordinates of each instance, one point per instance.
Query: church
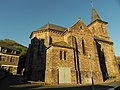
(74, 55)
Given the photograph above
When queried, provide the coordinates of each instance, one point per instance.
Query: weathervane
(91, 3)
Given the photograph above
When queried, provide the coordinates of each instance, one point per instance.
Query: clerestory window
(83, 46)
(50, 40)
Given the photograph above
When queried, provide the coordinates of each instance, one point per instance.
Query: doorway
(64, 75)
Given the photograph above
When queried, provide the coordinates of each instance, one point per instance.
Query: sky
(18, 18)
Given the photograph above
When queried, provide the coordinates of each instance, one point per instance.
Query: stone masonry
(74, 55)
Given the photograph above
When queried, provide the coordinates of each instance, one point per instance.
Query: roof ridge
(61, 43)
(52, 26)
(56, 25)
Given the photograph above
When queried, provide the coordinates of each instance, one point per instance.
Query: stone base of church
(75, 77)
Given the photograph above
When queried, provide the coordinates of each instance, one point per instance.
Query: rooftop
(53, 27)
(61, 44)
(94, 15)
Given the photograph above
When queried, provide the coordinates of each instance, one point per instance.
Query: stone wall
(98, 28)
(88, 56)
(110, 60)
(53, 63)
(86, 46)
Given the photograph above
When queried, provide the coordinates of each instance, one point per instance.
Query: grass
(118, 61)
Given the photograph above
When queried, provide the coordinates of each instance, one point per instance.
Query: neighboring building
(9, 59)
(60, 55)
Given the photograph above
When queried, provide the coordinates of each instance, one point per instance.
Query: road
(15, 83)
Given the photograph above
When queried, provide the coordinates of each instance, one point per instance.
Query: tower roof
(94, 15)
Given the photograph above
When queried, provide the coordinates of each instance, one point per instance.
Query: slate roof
(9, 47)
(103, 40)
(61, 44)
(94, 15)
(52, 27)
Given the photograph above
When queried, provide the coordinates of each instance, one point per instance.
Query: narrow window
(4, 50)
(3, 58)
(50, 40)
(64, 55)
(14, 52)
(60, 55)
(83, 46)
(11, 59)
(80, 27)
(0, 58)
(0, 49)
(101, 27)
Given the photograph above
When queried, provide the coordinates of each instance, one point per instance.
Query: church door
(64, 75)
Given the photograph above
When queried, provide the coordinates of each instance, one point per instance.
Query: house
(9, 58)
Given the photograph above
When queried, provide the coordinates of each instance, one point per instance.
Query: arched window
(83, 46)
(11, 59)
(50, 40)
(80, 27)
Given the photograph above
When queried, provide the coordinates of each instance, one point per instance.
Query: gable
(80, 26)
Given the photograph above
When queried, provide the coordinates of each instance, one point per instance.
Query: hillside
(15, 45)
(118, 59)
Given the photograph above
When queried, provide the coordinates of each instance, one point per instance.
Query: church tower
(98, 26)
(104, 46)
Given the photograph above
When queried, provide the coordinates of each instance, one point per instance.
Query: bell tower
(104, 45)
(98, 26)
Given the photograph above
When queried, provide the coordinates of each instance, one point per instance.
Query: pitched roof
(101, 39)
(61, 44)
(98, 21)
(53, 27)
(9, 47)
(94, 15)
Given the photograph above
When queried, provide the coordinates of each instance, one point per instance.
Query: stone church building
(73, 55)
